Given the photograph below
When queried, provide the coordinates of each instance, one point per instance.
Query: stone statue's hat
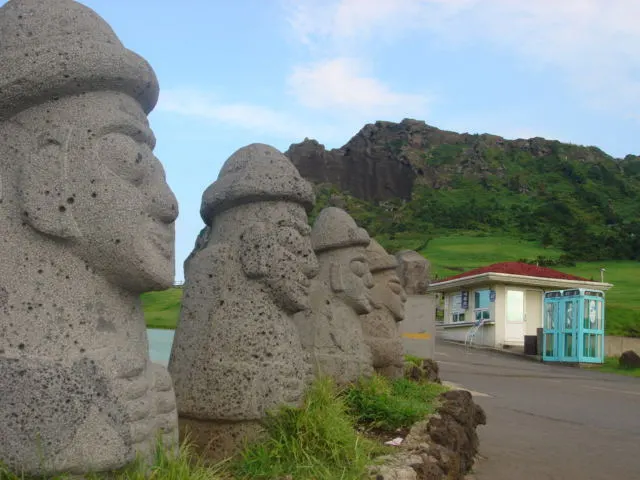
(255, 173)
(334, 228)
(378, 258)
(57, 48)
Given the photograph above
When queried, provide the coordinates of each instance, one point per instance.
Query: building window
(482, 305)
(457, 310)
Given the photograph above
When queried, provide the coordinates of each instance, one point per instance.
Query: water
(160, 341)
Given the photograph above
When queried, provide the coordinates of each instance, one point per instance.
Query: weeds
(317, 441)
(380, 404)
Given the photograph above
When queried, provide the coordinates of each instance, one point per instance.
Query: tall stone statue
(381, 325)
(86, 225)
(331, 331)
(236, 352)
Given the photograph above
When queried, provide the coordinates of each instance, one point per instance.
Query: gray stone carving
(87, 224)
(414, 271)
(331, 331)
(380, 327)
(236, 352)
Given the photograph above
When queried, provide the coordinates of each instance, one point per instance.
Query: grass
(318, 441)
(383, 405)
(452, 254)
(611, 365)
(162, 309)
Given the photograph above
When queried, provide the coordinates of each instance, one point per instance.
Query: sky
(235, 72)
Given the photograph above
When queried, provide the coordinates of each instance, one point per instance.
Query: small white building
(505, 299)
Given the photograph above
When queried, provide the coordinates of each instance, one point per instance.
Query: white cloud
(341, 84)
(593, 44)
(256, 118)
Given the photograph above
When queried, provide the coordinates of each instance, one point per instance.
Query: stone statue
(236, 352)
(414, 271)
(381, 325)
(331, 331)
(87, 224)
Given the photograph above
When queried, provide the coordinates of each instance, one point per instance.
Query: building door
(515, 318)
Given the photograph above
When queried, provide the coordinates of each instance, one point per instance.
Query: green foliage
(162, 309)
(414, 360)
(317, 441)
(575, 198)
(380, 404)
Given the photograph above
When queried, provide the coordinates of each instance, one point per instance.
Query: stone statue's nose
(164, 205)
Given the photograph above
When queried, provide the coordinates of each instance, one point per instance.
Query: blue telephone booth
(573, 326)
(550, 330)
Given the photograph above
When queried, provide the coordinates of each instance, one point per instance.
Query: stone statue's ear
(335, 277)
(254, 253)
(44, 186)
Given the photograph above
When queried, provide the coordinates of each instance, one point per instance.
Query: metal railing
(473, 331)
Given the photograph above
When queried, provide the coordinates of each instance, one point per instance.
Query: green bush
(317, 441)
(380, 404)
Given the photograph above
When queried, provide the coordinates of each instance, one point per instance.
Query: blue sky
(277, 71)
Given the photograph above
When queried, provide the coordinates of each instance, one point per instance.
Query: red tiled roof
(516, 268)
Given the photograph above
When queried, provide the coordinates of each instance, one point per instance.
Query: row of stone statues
(270, 302)
(87, 224)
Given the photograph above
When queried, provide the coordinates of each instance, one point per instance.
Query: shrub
(380, 404)
(317, 441)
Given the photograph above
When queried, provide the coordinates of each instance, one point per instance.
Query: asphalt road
(548, 421)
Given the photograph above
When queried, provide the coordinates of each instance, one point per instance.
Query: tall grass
(380, 404)
(317, 441)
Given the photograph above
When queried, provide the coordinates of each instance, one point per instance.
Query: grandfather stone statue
(332, 332)
(381, 325)
(86, 225)
(236, 352)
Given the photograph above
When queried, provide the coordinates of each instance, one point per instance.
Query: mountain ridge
(410, 176)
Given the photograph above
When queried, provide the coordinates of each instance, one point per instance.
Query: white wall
(485, 336)
(533, 305)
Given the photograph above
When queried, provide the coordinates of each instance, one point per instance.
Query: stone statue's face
(115, 190)
(388, 293)
(281, 256)
(354, 278)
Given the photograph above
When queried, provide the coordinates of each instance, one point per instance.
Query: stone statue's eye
(359, 267)
(124, 156)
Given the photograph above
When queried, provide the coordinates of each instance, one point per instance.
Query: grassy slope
(162, 309)
(456, 253)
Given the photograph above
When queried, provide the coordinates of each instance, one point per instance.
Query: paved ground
(547, 421)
